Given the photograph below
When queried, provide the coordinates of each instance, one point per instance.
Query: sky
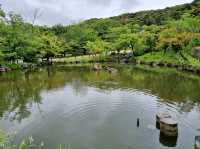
(51, 12)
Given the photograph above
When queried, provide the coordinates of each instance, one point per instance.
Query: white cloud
(68, 11)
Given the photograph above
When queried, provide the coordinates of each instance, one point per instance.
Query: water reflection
(168, 141)
(71, 96)
(19, 90)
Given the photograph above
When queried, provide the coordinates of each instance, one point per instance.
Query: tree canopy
(171, 29)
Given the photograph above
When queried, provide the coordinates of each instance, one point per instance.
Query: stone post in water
(159, 116)
(197, 142)
(169, 127)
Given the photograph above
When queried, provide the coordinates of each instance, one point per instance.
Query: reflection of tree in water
(79, 87)
(186, 106)
(17, 94)
(19, 91)
(169, 86)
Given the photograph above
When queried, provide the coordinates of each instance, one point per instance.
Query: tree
(75, 49)
(1, 56)
(170, 39)
(50, 46)
(80, 35)
(187, 23)
(37, 13)
(2, 14)
(65, 48)
(2, 43)
(13, 42)
(150, 40)
(97, 47)
(129, 41)
(102, 26)
(31, 48)
(115, 33)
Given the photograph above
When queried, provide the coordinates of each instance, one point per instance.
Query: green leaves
(188, 23)
(143, 32)
(2, 13)
(98, 46)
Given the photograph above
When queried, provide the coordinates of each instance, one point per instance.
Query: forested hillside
(167, 35)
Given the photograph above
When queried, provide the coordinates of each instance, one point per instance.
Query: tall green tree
(50, 46)
(98, 47)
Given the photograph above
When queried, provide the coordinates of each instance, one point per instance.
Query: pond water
(84, 109)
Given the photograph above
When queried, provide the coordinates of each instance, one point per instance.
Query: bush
(13, 66)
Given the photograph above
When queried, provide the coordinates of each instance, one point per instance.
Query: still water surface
(98, 110)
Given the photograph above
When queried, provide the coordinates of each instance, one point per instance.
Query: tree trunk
(99, 57)
(118, 59)
(95, 55)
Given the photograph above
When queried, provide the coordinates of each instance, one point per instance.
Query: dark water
(99, 110)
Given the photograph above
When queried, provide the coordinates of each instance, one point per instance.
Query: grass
(11, 66)
(158, 57)
(168, 71)
(26, 143)
(84, 58)
(170, 57)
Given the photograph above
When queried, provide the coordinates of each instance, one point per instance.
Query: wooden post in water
(138, 122)
(197, 142)
(159, 116)
(169, 127)
(168, 141)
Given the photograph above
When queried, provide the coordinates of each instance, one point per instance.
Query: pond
(84, 109)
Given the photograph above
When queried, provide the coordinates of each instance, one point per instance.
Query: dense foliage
(156, 35)
(23, 41)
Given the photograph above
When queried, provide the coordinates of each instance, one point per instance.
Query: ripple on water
(128, 101)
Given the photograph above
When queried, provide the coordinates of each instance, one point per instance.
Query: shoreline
(185, 68)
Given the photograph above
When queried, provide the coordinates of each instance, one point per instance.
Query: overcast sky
(71, 11)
